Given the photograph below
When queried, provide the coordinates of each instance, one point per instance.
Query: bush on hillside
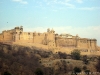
(85, 59)
(84, 68)
(98, 65)
(76, 54)
(38, 71)
(6, 73)
(87, 72)
(62, 55)
(76, 70)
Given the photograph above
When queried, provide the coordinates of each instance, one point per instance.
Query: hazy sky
(80, 17)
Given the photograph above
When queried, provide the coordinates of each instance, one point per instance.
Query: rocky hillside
(25, 60)
(20, 60)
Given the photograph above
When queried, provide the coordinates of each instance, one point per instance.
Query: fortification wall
(23, 37)
(82, 43)
(50, 36)
(64, 42)
(7, 36)
(1, 37)
(39, 38)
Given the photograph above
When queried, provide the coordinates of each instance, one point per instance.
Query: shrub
(87, 72)
(6, 73)
(98, 65)
(62, 55)
(38, 71)
(76, 70)
(75, 54)
(84, 68)
(85, 60)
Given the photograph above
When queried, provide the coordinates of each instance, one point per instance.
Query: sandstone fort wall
(62, 42)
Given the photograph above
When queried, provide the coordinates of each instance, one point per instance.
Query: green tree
(75, 54)
(38, 71)
(76, 70)
(87, 72)
(62, 55)
(85, 59)
(6, 73)
(98, 65)
(84, 68)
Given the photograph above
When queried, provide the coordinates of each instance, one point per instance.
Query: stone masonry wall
(48, 38)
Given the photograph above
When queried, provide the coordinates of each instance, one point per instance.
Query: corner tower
(51, 38)
(16, 33)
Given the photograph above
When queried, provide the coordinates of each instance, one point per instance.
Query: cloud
(60, 2)
(66, 3)
(79, 1)
(21, 1)
(89, 8)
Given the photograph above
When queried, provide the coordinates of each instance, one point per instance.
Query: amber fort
(51, 41)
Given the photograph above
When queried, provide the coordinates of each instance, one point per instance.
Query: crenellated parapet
(50, 31)
(85, 42)
(49, 38)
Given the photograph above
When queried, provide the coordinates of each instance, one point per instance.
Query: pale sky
(80, 17)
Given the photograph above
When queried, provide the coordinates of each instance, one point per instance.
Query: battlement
(50, 31)
(49, 38)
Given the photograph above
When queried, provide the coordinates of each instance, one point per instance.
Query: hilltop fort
(51, 41)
